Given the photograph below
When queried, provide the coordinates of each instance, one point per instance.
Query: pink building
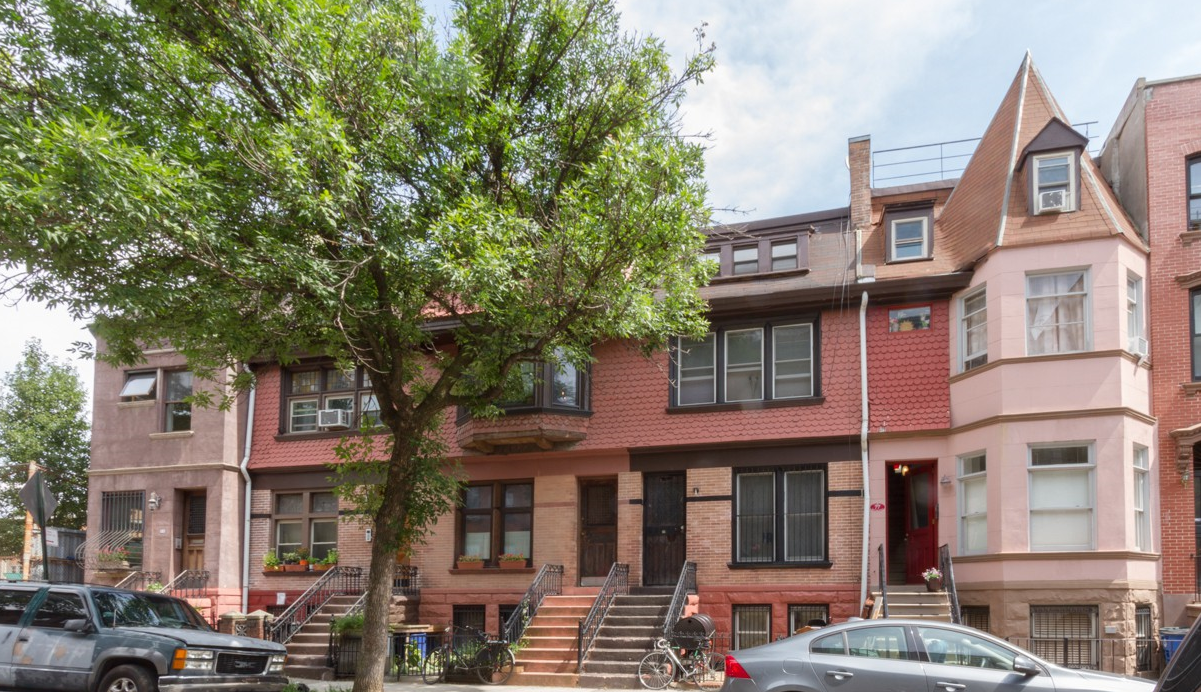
(1153, 161)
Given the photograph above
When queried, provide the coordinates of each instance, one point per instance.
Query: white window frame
(683, 346)
(746, 367)
(971, 478)
(1142, 498)
(140, 386)
(292, 403)
(776, 361)
(1086, 472)
(1136, 334)
(923, 245)
(1053, 301)
(1040, 187)
(968, 359)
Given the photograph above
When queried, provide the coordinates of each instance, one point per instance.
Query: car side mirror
(78, 625)
(1025, 666)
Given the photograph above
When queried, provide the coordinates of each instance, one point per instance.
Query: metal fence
(1124, 656)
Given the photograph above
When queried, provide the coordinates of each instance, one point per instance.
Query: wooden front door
(193, 539)
(921, 521)
(663, 519)
(598, 530)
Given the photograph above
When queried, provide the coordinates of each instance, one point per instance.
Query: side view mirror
(1025, 666)
(78, 625)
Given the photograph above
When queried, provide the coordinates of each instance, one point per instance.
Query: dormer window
(908, 230)
(783, 255)
(746, 259)
(1055, 183)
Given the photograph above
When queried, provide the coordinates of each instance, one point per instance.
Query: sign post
(41, 504)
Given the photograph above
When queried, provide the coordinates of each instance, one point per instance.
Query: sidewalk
(407, 686)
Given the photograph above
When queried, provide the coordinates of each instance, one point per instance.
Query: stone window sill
(177, 435)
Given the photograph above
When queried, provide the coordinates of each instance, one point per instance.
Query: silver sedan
(907, 656)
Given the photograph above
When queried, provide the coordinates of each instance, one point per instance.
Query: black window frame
(176, 409)
(1194, 299)
(497, 512)
(1192, 193)
(779, 532)
(328, 386)
(764, 264)
(306, 518)
(767, 366)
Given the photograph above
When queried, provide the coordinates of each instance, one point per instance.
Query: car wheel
(128, 679)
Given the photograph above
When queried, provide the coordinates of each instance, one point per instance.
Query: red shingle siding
(907, 372)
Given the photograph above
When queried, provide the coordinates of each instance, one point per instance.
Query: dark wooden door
(194, 529)
(663, 519)
(598, 530)
(921, 521)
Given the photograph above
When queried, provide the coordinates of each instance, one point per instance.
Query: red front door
(921, 521)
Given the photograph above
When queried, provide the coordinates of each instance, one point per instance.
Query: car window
(120, 609)
(954, 648)
(13, 603)
(878, 642)
(830, 644)
(58, 608)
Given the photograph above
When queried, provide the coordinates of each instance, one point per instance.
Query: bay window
(1057, 313)
(1061, 497)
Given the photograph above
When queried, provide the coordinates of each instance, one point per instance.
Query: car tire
(128, 679)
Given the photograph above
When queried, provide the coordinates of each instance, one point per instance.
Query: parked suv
(93, 638)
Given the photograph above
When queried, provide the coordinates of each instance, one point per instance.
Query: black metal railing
(1123, 656)
(616, 584)
(190, 583)
(142, 581)
(337, 581)
(685, 584)
(882, 606)
(405, 582)
(948, 581)
(548, 582)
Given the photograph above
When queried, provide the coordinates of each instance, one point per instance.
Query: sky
(795, 79)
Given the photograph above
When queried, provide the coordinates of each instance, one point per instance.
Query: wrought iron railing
(190, 583)
(337, 581)
(1107, 655)
(685, 585)
(548, 582)
(948, 581)
(405, 582)
(882, 606)
(140, 581)
(616, 584)
(119, 549)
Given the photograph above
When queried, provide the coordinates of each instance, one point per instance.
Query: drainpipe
(867, 495)
(246, 513)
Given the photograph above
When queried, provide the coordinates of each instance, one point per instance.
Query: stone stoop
(308, 652)
(915, 602)
(547, 655)
(627, 634)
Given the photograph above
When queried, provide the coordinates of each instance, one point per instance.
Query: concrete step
(309, 672)
(618, 655)
(537, 679)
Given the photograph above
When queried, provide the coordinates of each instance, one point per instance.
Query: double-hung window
(1142, 500)
(1057, 308)
(1055, 182)
(734, 365)
(973, 504)
(173, 396)
(1061, 497)
(1136, 341)
(780, 515)
(324, 398)
(908, 232)
(1194, 194)
(973, 329)
(306, 520)
(496, 518)
(1194, 298)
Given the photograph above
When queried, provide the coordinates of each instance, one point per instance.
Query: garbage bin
(1171, 638)
(691, 632)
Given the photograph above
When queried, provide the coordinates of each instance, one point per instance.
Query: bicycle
(661, 667)
(490, 659)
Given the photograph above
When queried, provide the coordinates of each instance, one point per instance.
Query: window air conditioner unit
(1138, 346)
(333, 418)
(1052, 200)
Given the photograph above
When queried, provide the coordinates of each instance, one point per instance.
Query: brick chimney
(859, 160)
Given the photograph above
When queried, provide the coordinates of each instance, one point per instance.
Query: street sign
(38, 499)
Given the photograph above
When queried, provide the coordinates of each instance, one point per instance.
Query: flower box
(512, 564)
(470, 564)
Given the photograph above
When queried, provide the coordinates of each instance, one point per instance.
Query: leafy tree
(43, 421)
(249, 178)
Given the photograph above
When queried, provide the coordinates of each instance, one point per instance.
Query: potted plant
(330, 559)
(112, 558)
(302, 555)
(292, 563)
(271, 562)
(511, 560)
(470, 562)
(933, 577)
(155, 587)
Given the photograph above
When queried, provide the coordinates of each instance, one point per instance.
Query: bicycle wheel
(495, 665)
(715, 667)
(433, 668)
(656, 670)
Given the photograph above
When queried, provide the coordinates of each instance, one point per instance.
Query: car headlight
(193, 659)
(276, 665)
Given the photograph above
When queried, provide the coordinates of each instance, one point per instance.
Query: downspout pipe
(246, 502)
(867, 495)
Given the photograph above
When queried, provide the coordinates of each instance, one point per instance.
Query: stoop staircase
(548, 648)
(627, 633)
(308, 651)
(914, 602)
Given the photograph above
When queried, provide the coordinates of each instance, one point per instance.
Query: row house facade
(958, 363)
